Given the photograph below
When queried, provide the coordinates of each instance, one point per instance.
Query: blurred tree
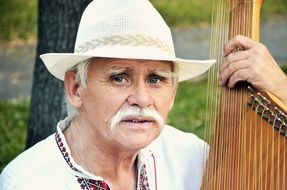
(57, 27)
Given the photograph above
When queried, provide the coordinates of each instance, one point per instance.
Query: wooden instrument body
(247, 134)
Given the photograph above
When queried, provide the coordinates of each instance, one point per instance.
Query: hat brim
(58, 63)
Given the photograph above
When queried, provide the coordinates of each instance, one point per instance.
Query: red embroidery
(90, 184)
(64, 151)
(143, 180)
(155, 176)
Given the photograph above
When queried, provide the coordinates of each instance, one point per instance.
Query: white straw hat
(123, 29)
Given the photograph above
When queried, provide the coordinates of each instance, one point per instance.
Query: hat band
(124, 40)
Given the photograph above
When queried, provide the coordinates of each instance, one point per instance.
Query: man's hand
(252, 63)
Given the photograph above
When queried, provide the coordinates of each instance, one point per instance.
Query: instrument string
(209, 113)
(220, 60)
(208, 116)
(278, 164)
(229, 121)
(284, 163)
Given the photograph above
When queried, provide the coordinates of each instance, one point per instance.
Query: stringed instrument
(246, 130)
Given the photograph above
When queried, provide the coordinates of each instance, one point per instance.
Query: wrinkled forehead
(110, 63)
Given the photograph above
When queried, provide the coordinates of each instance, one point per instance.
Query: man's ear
(72, 89)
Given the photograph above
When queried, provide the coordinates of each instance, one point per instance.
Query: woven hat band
(128, 40)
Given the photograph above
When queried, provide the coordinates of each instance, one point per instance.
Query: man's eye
(118, 79)
(154, 79)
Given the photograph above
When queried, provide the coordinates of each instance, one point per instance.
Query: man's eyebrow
(115, 71)
(164, 73)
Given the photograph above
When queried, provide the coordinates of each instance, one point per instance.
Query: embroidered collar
(88, 181)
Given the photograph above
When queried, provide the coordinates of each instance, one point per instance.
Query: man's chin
(137, 136)
(137, 143)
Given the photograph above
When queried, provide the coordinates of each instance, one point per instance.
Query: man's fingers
(237, 56)
(239, 75)
(228, 68)
(234, 57)
(239, 42)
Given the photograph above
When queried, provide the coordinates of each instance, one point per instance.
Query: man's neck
(113, 164)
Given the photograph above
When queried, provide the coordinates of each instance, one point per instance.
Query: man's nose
(140, 96)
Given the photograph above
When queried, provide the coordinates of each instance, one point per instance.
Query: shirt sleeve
(12, 181)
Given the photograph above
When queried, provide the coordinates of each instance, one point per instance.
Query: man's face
(114, 85)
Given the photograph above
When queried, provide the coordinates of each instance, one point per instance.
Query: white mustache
(134, 111)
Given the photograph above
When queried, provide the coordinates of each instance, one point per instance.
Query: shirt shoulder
(180, 158)
(181, 141)
(33, 157)
(32, 168)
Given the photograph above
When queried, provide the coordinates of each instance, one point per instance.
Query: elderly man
(120, 86)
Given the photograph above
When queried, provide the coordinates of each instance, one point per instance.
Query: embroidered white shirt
(175, 160)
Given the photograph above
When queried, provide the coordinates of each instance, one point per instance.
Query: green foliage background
(18, 18)
(13, 128)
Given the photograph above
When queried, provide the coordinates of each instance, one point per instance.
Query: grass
(18, 19)
(188, 112)
(271, 7)
(13, 128)
(183, 13)
(284, 68)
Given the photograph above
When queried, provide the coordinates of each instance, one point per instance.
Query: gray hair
(81, 70)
